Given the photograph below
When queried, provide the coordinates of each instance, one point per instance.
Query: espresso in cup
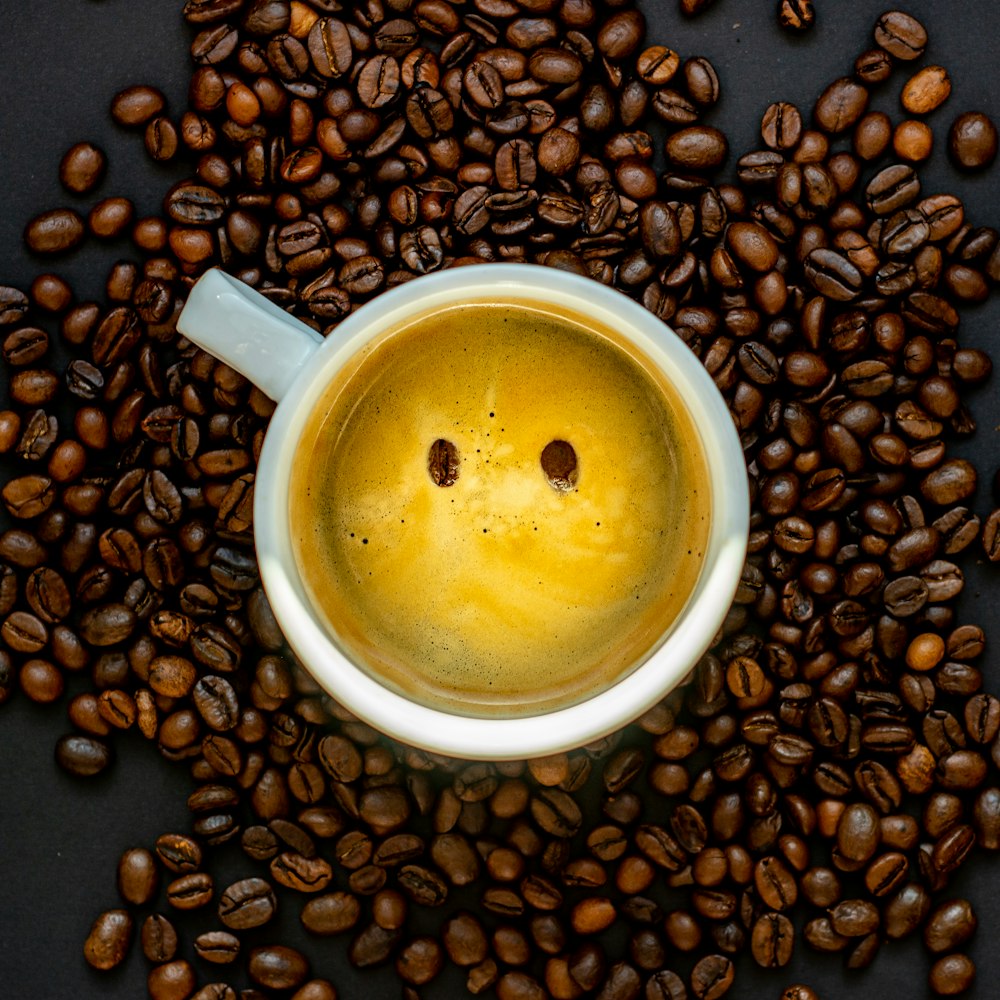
(498, 508)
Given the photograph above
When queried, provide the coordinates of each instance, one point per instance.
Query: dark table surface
(60, 63)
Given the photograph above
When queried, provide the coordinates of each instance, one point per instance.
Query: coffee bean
(138, 877)
(247, 903)
(191, 891)
(972, 141)
(841, 105)
(775, 883)
(303, 874)
(82, 756)
(217, 947)
(712, 977)
(179, 853)
(772, 940)
(951, 482)
(796, 15)
(781, 126)
(55, 231)
(901, 35)
(108, 942)
(952, 975)
(159, 938)
(171, 980)
(372, 946)
(926, 90)
(698, 148)
(137, 105)
(331, 914)
(665, 985)
(619, 36)
(949, 926)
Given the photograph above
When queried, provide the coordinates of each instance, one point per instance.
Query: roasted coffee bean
(796, 15)
(82, 756)
(138, 877)
(698, 148)
(772, 940)
(56, 231)
(372, 946)
(278, 967)
(775, 883)
(952, 975)
(949, 926)
(217, 947)
(619, 36)
(108, 941)
(833, 275)
(247, 903)
(712, 977)
(82, 167)
(159, 938)
(901, 35)
(842, 103)
(892, 188)
(178, 852)
(190, 892)
(972, 141)
(926, 90)
(331, 914)
(300, 873)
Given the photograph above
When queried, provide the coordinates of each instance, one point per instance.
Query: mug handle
(248, 332)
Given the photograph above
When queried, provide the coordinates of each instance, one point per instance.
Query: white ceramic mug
(292, 364)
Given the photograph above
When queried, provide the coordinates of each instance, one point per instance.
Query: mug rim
(662, 668)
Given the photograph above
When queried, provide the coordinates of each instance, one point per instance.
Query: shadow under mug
(293, 364)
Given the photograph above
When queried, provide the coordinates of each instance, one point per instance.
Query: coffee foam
(499, 595)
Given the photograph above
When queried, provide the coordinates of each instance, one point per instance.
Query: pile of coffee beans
(832, 762)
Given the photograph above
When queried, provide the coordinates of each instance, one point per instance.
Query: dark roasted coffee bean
(247, 903)
(278, 967)
(55, 231)
(698, 148)
(217, 947)
(711, 977)
(796, 15)
(901, 35)
(108, 941)
(372, 946)
(137, 105)
(82, 167)
(972, 141)
(300, 873)
(82, 756)
(674, 108)
(159, 938)
(781, 126)
(665, 985)
(190, 892)
(833, 275)
(330, 48)
(331, 914)
(952, 975)
(620, 35)
(772, 940)
(138, 877)
(949, 926)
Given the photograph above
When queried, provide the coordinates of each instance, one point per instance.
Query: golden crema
(490, 588)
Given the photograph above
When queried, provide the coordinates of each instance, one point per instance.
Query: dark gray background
(60, 63)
